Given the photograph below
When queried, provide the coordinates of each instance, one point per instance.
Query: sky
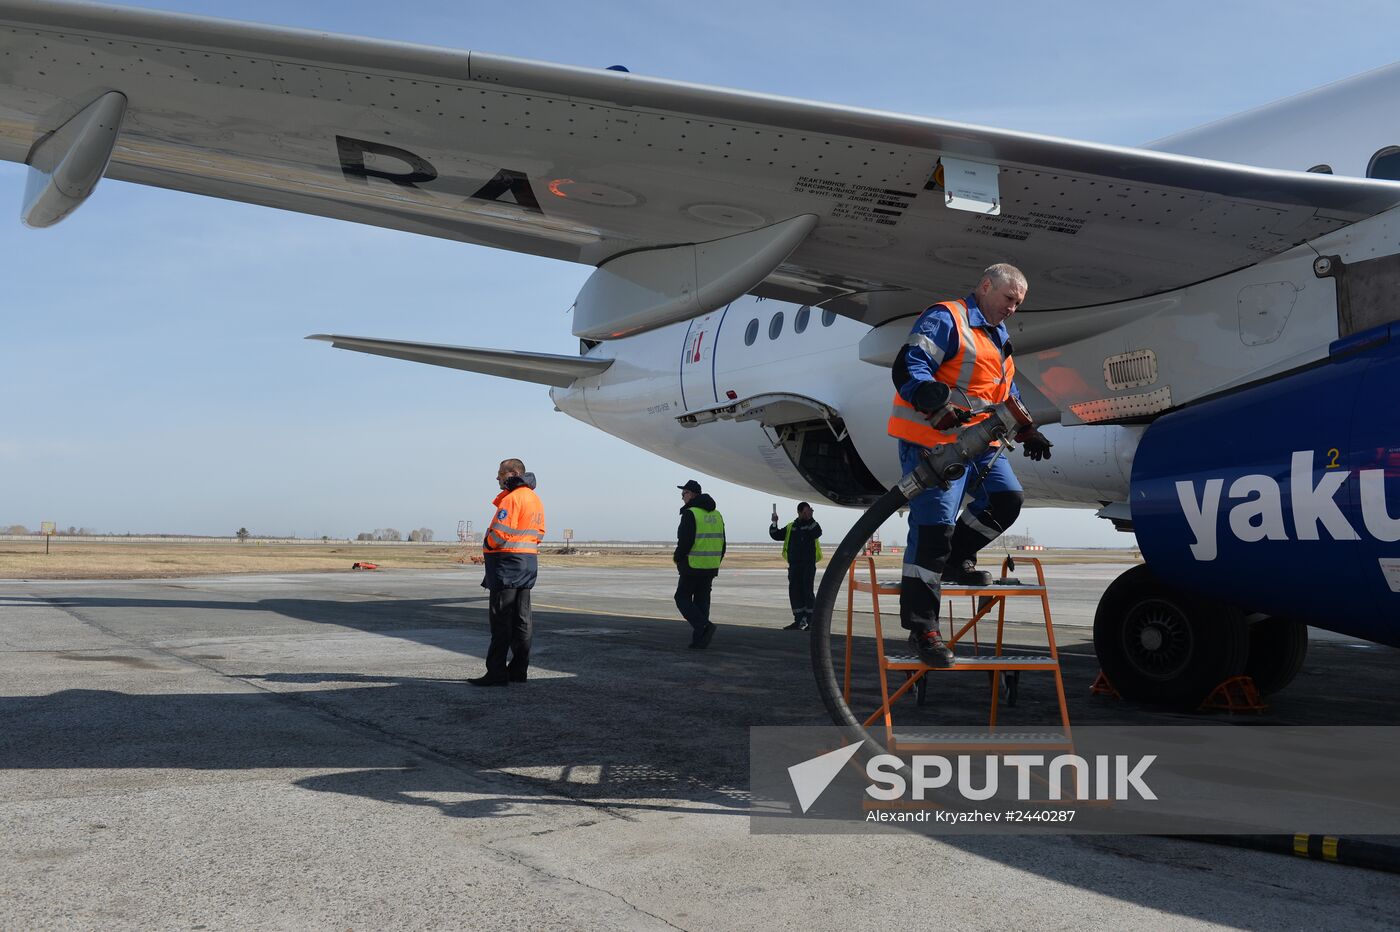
(153, 364)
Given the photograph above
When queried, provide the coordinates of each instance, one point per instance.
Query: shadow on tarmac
(617, 714)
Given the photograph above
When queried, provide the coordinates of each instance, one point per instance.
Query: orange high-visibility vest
(518, 524)
(978, 368)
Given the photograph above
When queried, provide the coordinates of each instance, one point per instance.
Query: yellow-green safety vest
(787, 536)
(708, 549)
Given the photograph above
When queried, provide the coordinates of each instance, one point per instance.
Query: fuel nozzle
(946, 463)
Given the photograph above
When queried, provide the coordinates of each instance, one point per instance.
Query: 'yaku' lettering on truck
(1260, 512)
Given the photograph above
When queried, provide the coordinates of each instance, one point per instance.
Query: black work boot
(931, 649)
(965, 573)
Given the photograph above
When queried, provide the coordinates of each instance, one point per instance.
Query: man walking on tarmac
(511, 550)
(801, 550)
(700, 547)
(957, 357)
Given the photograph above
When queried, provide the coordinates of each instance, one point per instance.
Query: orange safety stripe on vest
(522, 528)
(978, 368)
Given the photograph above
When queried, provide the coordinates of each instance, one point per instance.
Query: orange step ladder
(998, 663)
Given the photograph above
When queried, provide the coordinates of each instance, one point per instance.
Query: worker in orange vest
(957, 358)
(511, 550)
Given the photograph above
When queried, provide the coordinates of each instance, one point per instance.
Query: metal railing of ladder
(999, 664)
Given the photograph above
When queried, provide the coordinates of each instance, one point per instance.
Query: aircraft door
(698, 360)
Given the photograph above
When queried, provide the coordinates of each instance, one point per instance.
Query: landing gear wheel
(1277, 648)
(1160, 645)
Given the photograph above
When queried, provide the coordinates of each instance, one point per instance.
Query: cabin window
(1321, 169)
(1385, 164)
(751, 332)
(775, 326)
(828, 317)
(799, 323)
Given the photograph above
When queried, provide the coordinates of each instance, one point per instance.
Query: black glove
(1034, 444)
(930, 396)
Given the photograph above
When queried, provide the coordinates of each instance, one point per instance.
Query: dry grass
(144, 560)
(136, 560)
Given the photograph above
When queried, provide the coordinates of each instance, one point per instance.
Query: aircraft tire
(1162, 646)
(1277, 649)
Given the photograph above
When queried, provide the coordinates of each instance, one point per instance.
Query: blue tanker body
(1305, 522)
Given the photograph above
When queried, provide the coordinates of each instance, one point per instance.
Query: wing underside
(583, 165)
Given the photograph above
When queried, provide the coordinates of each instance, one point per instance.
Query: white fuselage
(662, 374)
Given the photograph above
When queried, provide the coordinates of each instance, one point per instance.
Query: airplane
(1208, 340)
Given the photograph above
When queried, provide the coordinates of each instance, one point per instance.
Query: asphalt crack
(526, 863)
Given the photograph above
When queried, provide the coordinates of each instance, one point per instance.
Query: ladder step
(983, 662)
(884, 585)
(891, 587)
(990, 739)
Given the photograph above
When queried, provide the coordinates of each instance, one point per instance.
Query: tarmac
(301, 751)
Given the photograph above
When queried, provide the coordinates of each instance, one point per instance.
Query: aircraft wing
(543, 368)
(587, 164)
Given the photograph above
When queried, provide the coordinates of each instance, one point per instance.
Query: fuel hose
(938, 467)
(832, 579)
